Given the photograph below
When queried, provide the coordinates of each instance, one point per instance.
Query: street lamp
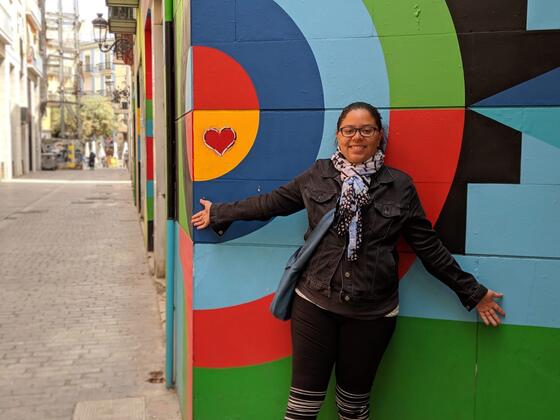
(100, 26)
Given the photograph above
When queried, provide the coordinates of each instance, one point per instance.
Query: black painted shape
(488, 15)
(171, 137)
(490, 153)
(494, 62)
(150, 235)
(497, 51)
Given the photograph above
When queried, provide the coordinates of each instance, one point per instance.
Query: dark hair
(359, 105)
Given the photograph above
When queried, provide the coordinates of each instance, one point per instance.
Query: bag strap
(316, 235)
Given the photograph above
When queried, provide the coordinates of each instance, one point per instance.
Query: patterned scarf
(355, 184)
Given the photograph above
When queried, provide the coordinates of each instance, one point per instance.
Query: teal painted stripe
(530, 287)
(180, 331)
(539, 162)
(532, 225)
(542, 123)
(149, 128)
(150, 189)
(169, 303)
(543, 14)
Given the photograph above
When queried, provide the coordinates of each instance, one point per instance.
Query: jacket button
(220, 232)
(347, 274)
(346, 298)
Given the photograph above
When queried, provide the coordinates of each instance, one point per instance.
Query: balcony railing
(34, 62)
(88, 67)
(6, 26)
(33, 14)
(122, 3)
(104, 66)
(122, 20)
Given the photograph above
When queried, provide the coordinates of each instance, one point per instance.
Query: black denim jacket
(394, 209)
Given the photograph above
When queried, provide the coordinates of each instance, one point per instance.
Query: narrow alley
(81, 335)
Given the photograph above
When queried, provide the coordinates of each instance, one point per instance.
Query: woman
(344, 311)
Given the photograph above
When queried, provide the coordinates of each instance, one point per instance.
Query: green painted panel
(168, 5)
(149, 110)
(427, 372)
(182, 216)
(518, 373)
(180, 69)
(253, 392)
(410, 17)
(421, 52)
(149, 208)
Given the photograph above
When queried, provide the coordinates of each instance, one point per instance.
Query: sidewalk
(79, 318)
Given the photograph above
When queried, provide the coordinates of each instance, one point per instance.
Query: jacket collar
(384, 176)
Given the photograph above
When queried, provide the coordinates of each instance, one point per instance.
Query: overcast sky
(87, 9)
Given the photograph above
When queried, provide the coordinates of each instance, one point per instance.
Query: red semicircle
(241, 335)
(220, 82)
(426, 144)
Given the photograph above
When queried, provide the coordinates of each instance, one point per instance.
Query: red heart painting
(220, 141)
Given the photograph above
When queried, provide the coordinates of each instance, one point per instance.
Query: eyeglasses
(365, 131)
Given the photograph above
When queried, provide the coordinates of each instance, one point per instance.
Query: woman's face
(359, 148)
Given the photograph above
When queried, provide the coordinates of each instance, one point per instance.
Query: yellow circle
(207, 163)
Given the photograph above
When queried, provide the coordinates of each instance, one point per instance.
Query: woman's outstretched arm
(282, 201)
(439, 262)
(201, 220)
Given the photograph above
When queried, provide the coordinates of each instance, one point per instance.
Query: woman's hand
(201, 220)
(488, 309)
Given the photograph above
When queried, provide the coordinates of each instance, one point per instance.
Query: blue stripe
(149, 189)
(169, 302)
(542, 122)
(343, 30)
(228, 275)
(513, 220)
(543, 14)
(530, 286)
(539, 162)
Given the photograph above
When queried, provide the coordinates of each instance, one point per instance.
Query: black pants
(321, 340)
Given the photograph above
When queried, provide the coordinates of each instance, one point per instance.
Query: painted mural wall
(143, 150)
(470, 97)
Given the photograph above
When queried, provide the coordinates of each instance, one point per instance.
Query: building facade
(103, 74)
(470, 102)
(21, 74)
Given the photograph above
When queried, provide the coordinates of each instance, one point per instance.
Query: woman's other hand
(488, 309)
(201, 220)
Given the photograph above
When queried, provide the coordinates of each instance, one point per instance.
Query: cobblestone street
(79, 318)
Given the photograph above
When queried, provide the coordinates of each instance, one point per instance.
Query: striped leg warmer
(352, 406)
(303, 404)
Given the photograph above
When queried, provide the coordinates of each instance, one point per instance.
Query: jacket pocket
(319, 201)
(381, 217)
(321, 196)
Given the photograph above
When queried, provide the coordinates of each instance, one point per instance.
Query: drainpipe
(171, 194)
